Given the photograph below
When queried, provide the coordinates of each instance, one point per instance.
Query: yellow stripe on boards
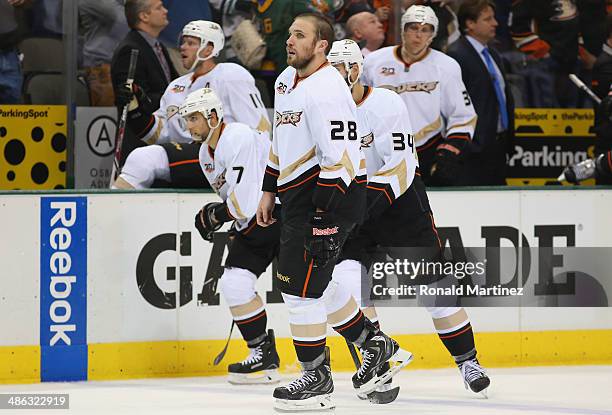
(109, 361)
(19, 364)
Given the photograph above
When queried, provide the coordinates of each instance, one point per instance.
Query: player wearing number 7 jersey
(233, 157)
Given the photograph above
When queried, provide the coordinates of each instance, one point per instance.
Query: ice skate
(377, 351)
(311, 392)
(260, 367)
(474, 377)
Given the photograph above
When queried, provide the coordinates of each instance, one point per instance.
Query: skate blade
(483, 394)
(383, 397)
(315, 403)
(264, 377)
(401, 358)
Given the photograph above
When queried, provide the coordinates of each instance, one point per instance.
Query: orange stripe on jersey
(272, 173)
(459, 136)
(610, 160)
(331, 185)
(299, 184)
(307, 278)
(180, 163)
(430, 143)
(384, 191)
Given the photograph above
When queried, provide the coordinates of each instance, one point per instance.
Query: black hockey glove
(134, 96)
(447, 166)
(322, 240)
(205, 221)
(587, 169)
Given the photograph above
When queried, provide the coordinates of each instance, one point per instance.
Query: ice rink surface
(525, 391)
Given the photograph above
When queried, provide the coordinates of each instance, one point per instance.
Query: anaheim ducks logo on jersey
(413, 87)
(367, 140)
(219, 182)
(288, 117)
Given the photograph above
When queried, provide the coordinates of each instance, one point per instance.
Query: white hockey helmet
(207, 32)
(347, 52)
(420, 14)
(204, 101)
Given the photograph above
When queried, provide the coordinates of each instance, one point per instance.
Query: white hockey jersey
(315, 151)
(388, 146)
(234, 86)
(235, 169)
(432, 89)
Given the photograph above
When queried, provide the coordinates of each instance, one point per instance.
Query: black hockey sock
(352, 329)
(309, 350)
(253, 329)
(460, 343)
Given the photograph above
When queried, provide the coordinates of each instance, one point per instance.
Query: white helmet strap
(198, 58)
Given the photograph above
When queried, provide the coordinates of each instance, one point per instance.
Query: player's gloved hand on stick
(447, 166)
(131, 95)
(322, 239)
(587, 169)
(205, 221)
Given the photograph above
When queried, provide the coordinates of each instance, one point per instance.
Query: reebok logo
(325, 231)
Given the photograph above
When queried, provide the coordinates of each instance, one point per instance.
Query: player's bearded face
(300, 45)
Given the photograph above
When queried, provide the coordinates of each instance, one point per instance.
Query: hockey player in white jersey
(398, 212)
(171, 156)
(430, 84)
(314, 168)
(233, 158)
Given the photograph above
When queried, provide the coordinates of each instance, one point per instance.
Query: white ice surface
(525, 391)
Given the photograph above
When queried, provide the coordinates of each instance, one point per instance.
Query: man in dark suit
(154, 71)
(484, 77)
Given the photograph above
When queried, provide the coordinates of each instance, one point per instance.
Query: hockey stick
(221, 355)
(376, 397)
(123, 119)
(578, 82)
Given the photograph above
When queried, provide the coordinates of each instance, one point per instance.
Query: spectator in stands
(46, 18)
(146, 19)
(102, 24)
(556, 40)
(11, 78)
(229, 14)
(365, 29)
(484, 77)
(348, 9)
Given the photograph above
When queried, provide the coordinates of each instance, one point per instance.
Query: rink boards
(109, 286)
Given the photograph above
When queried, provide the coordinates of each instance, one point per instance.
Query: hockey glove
(205, 221)
(133, 95)
(447, 166)
(322, 240)
(587, 169)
